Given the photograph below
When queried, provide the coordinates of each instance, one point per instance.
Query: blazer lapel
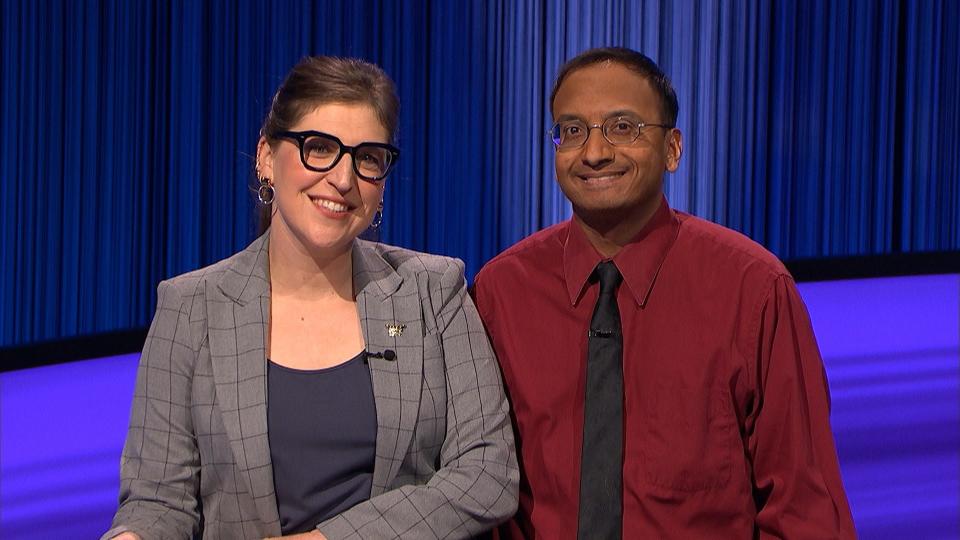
(238, 308)
(391, 318)
(238, 311)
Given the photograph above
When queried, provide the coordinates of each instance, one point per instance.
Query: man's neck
(609, 233)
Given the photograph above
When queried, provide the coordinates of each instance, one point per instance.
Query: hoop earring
(265, 192)
(377, 218)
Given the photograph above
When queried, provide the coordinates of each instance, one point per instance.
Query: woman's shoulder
(407, 261)
(250, 262)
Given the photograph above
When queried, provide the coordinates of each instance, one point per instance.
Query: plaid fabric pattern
(196, 462)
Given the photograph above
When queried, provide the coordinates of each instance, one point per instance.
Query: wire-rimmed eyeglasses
(321, 152)
(617, 130)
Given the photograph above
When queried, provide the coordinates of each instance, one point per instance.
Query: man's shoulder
(536, 249)
(717, 247)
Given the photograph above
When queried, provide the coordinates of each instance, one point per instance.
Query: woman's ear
(264, 165)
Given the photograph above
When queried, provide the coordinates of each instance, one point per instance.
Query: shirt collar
(639, 261)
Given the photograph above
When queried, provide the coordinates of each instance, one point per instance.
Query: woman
(315, 382)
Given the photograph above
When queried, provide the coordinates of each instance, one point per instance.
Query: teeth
(330, 205)
(588, 178)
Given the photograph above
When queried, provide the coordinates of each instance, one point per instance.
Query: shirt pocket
(686, 438)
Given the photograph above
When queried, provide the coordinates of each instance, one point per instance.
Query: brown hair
(631, 59)
(318, 80)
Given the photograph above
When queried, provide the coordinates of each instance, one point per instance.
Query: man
(664, 377)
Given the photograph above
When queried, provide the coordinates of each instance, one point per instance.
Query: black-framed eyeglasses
(321, 152)
(617, 130)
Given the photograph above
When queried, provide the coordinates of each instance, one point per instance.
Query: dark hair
(319, 80)
(638, 62)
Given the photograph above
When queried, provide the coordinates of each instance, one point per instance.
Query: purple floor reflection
(61, 433)
(892, 351)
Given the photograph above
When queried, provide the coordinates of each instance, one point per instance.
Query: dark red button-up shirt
(726, 404)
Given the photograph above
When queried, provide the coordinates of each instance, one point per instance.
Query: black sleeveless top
(322, 428)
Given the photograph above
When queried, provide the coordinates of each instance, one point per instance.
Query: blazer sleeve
(476, 485)
(160, 466)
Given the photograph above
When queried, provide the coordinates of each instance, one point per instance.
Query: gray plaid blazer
(197, 462)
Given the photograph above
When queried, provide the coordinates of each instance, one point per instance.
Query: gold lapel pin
(395, 330)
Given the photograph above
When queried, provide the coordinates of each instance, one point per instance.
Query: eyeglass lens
(369, 161)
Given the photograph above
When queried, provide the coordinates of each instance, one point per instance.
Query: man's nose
(597, 150)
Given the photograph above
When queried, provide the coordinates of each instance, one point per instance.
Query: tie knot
(609, 277)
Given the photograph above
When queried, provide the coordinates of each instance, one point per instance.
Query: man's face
(607, 183)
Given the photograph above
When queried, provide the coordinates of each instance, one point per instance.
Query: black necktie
(601, 461)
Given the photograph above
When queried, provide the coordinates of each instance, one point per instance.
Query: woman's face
(324, 211)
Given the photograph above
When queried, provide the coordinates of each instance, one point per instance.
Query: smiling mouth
(598, 178)
(332, 206)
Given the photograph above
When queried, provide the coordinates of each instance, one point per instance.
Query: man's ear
(674, 144)
(264, 163)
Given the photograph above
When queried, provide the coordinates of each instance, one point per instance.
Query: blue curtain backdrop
(819, 128)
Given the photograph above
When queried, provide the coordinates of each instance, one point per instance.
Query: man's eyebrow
(622, 112)
(611, 114)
